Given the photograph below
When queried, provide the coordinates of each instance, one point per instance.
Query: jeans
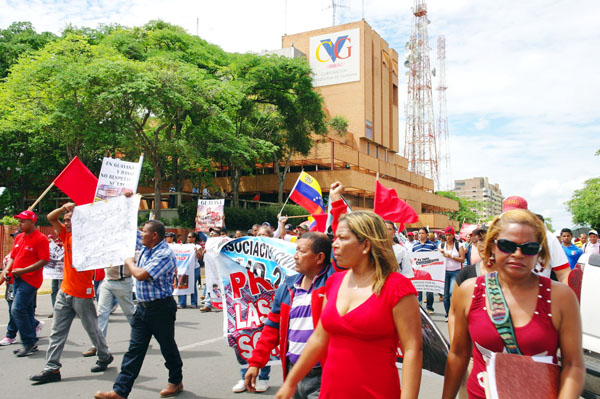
(22, 311)
(429, 300)
(262, 375)
(110, 291)
(448, 288)
(55, 288)
(67, 307)
(310, 386)
(194, 296)
(155, 318)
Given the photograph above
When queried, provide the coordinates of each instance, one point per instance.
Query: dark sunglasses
(528, 248)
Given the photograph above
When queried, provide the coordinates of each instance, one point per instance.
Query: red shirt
(28, 249)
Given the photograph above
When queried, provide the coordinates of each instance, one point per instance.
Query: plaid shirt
(160, 264)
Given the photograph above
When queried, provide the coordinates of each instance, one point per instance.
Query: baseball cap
(514, 202)
(449, 230)
(410, 233)
(289, 227)
(593, 232)
(304, 225)
(267, 224)
(27, 215)
(170, 234)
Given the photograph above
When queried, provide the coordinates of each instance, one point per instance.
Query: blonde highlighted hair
(520, 216)
(367, 225)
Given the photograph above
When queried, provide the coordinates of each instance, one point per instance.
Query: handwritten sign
(118, 177)
(104, 232)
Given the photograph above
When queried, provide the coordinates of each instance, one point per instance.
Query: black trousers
(156, 318)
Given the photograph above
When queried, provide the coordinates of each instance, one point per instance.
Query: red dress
(362, 348)
(536, 338)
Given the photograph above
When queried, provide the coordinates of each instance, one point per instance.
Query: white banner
(210, 214)
(430, 271)
(183, 283)
(104, 232)
(118, 177)
(54, 268)
(335, 57)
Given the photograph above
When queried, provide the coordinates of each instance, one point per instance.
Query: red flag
(321, 220)
(77, 182)
(390, 207)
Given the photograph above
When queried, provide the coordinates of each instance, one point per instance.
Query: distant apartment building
(480, 189)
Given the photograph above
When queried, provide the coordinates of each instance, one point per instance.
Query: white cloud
(521, 75)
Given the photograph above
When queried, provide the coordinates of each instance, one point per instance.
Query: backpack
(455, 246)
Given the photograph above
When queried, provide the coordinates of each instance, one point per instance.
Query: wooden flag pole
(40, 197)
(298, 216)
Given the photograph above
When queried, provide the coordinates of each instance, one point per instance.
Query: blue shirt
(573, 253)
(160, 263)
(427, 246)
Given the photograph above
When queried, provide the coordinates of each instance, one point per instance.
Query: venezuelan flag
(307, 194)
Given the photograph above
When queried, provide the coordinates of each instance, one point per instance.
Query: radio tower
(442, 122)
(420, 140)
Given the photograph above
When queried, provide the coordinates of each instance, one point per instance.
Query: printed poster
(104, 232)
(54, 268)
(118, 177)
(210, 214)
(183, 281)
(430, 271)
(250, 270)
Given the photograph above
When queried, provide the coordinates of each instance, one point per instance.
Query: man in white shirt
(592, 246)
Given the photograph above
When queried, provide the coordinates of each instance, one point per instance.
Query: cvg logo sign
(334, 51)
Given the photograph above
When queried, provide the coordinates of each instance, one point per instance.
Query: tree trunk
(281, 175)
(157, 185)
(234, 178)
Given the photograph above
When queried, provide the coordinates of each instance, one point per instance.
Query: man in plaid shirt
(154, 316)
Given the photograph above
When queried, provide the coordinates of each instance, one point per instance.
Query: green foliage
(17, 40)
(9, 221)
(467, 209)
(243, 219)
(339, 123)
(584, 205)
(187, 214)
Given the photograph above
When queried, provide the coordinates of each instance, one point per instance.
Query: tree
(467, 209)
(18, 39)
(584, 205)
(339, 124)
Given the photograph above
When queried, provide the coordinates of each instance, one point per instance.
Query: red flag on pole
(77, 182)
(321, 220)
(390, 207)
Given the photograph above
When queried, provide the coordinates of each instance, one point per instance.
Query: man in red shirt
(75, 298)
(31, 251)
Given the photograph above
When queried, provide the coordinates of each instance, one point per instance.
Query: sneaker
(101, 366)
(240, 387)
(430, 312)
(26, 350)
(51, 315)
(39, 327)
(261, 385)
(90, 352)
(446, 319)
(7, 341)
(46, 376)
(205, 309)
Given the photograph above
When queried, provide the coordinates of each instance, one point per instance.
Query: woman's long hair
(368, 225)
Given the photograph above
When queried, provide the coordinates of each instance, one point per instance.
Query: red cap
(26, 215)
(449, 230)
(410, 233)
(514, 202)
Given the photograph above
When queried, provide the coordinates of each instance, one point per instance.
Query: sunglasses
(528, 248)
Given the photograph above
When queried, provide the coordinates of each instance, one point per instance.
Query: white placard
(335, 57)
(430, 271)
(118, 177)
(104, 232)
(183, 283)
(210, 214)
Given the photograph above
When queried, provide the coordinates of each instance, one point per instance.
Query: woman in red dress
(368, 312)
(544, 313)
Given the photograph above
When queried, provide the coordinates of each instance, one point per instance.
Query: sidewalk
(45, 289)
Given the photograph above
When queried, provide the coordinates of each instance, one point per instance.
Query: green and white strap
(500, 313)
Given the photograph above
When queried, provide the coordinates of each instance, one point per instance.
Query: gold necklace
(354, 282)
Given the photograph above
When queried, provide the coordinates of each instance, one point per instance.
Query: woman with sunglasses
(368, 310)
(543, 314)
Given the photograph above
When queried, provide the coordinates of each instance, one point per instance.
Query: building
(479, 189)
(356, 72)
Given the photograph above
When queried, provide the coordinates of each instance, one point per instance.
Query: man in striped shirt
(295, 312)
(424, 245)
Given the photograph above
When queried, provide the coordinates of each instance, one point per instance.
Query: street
(210, 368)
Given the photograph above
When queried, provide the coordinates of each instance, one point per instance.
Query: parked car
(590, 317)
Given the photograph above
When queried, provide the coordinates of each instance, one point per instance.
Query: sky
(522, 97)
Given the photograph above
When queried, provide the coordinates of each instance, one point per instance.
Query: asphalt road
(209, 365)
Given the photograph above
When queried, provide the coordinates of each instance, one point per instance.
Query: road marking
(201, 343)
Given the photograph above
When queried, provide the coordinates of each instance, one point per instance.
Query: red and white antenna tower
(442, 122)
(420, 140)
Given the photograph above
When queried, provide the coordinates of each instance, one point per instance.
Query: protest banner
(210, 214)
(183, 281)
(118, 177)
(250, 270)
(430, 271)
(53, 270)
(466, 229)
(104, 232)
(211, 274)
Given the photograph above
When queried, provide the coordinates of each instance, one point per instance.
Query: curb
(40, 292)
